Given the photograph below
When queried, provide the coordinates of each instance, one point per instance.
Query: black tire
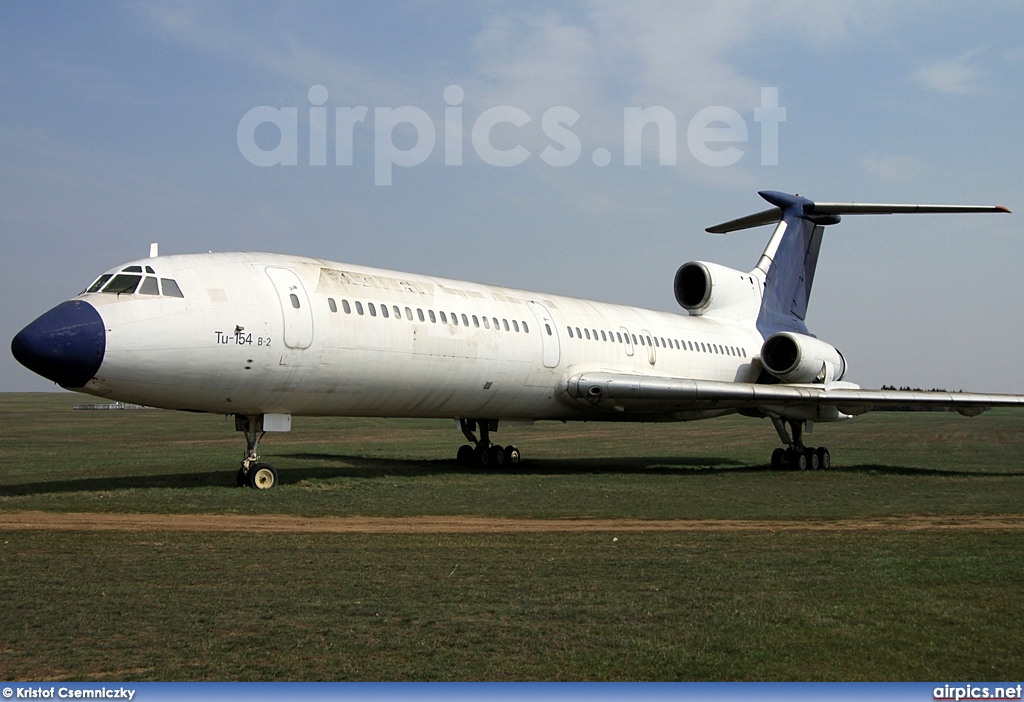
(465, 455)
(512, 455)
(778, 459)
(796, 460)
(481, 457)
(813, 462)
(824, 458)
(497, 457)
(241, 479)
(262, 476)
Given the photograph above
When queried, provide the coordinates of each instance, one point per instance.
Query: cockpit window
(131, 281)
(170, 287)
(123, 284)
(149, 286)
(99, 283)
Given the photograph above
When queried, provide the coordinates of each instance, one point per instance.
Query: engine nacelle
(711, 289)
(797, 358)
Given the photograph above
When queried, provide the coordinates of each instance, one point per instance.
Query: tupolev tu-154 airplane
(266, 336)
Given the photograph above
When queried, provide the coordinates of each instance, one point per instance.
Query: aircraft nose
(64, 345)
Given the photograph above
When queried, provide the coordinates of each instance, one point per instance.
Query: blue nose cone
(65, 345)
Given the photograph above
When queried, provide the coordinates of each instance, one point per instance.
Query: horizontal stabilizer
(810, 209)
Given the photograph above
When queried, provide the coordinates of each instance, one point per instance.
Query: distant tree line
(914, 408)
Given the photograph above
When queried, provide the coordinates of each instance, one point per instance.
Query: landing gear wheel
(481, 456)
(497, 456)
(262, 476)
(241, 479)
(465, 455)
(778, 459)
(812, 458)
(796, 459)
(824, 459)
(512, 455)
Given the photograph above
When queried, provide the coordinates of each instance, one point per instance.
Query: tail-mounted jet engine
(797, 358)
(710, 289)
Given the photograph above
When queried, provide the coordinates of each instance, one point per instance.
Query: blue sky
(119, 127)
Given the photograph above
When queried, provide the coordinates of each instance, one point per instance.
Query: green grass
(501, 607)
(649, 606)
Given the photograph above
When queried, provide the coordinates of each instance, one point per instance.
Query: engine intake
(703, 288)
(797, 358)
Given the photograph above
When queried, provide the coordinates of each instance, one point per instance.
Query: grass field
(746, 604)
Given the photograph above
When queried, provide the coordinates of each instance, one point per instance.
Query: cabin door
(551, 350)
(295, 307)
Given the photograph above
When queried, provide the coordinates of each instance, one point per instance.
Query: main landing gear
(483, 453)
(252, 473)
(797, 456)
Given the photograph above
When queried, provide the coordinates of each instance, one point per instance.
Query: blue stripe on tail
(790, 275)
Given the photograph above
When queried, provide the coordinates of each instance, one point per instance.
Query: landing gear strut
(252, 473)
(797, 456)
(483, 453)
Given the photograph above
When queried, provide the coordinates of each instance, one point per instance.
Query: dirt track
(279, 523)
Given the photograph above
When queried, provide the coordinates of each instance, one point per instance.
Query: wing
(618, 392)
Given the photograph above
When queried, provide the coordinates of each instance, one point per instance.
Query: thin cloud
(895, 168)
(958, 76)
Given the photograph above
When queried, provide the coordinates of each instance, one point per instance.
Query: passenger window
(332, 304)
(345, 306)
(505, 322)
(634, 339)
(603, 337)
(571, 335)
(419, 314)
(373, 309)
(170, 287)
(384, 311)
(444, 318)
(587, 332)
(433, 319)
(487, 323)
(455, 319)
(526, 328)
(149, 286)
(515, 324)
(465, 320)
(99, 283)
(121, 283)
(398, 312)
(359, 307)
(547, 328)
(295, 300)
(656, 342)
(642, 340)
(497, 327)
(476, 321)
(579, 334)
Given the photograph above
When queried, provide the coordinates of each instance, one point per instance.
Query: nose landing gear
(253, 473)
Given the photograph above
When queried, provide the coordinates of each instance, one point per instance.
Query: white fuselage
(266, 333)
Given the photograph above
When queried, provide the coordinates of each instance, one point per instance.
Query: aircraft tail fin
(788, 262)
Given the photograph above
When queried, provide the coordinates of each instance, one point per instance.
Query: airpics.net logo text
(712, 134)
